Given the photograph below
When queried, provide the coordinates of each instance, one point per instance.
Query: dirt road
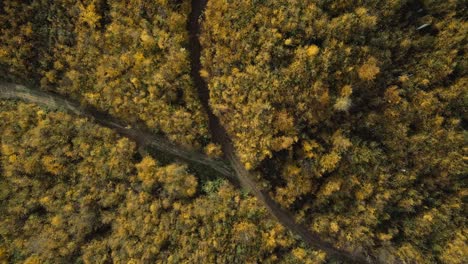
(142, 138)
(221, 137)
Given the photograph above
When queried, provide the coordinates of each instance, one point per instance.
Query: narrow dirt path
(141, 137)
(221, 137)
(218, 132)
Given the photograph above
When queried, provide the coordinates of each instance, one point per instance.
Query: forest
(222, 131)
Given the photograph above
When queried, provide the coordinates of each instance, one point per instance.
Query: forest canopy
(353, 112)
(351, 115)
(72, 191)
(128, 59)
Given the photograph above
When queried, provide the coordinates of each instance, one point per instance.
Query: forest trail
(220, 136)
(142, 138)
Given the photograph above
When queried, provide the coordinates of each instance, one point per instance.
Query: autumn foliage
(75, 192)
(351, 114)
(126, 58)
